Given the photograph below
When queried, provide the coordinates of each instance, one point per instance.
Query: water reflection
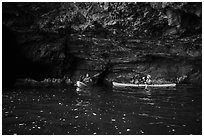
(96, 111)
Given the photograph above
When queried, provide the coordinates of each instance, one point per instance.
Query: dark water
(102, 111)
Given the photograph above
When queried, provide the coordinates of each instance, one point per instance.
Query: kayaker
(87, 79)
(141, 79)
(148, 79)
(132, 81)
(136, 79)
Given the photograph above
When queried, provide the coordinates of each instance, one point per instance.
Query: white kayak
(115, 84)
(81, 84)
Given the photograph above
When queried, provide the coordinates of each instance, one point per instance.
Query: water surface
(97, 110)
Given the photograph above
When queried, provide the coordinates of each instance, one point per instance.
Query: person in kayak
(141, 79)
(148, 79)
(85, 79)
(135, 79)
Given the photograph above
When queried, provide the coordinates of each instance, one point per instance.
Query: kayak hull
(116, 84)
(81, 84)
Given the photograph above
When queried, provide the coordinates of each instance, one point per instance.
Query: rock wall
(69, 39)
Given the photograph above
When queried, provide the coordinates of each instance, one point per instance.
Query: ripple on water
(113, 120)
(128, 129)
(76, 117)
(125, 113)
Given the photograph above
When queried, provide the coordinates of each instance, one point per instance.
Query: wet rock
(46, 82)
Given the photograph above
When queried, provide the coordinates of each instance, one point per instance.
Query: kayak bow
(81, 84)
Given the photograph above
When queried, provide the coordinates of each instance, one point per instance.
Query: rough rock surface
(46, 46)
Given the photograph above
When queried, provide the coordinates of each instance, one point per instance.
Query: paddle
(99, 78)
